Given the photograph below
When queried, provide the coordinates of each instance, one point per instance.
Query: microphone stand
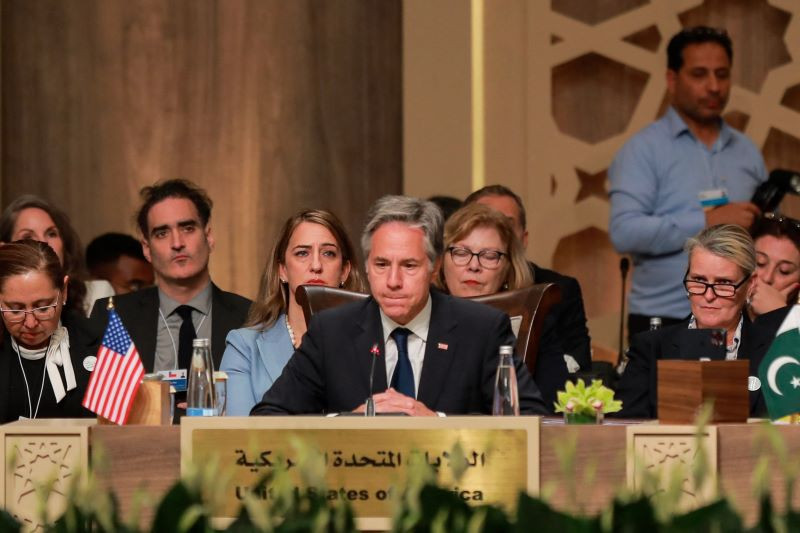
(624, 265)
(369, 409)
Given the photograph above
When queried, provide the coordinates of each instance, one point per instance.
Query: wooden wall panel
(270, 105)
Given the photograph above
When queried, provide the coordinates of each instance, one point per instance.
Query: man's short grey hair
(414, 212)
(728, 241)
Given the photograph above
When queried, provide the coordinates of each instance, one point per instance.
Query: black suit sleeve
(551, 369)
(572, 323)
(530, 399)
(300, 389)
(567, 318)
(98, 319)
(637, 386)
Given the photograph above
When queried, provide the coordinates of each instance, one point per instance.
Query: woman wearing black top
(46, 355)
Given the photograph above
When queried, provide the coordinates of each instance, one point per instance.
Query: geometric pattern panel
(594, 11)
(660, 455)
(737, 119)
(782, 150)
(574, 127)
(39, 460)
(601, 285)
(791, 98)
(763, 23)
(576, 92)
(648, 38)
(592, 185)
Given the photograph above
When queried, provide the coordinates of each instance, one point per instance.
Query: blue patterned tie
(403, 377)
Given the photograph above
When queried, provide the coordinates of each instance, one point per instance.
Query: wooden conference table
(148, 458)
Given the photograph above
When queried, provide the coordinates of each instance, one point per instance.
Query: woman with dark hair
(30, 217)
(777, 243)
(47, 354)
(312, 248)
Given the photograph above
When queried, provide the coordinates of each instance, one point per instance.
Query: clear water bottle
(506, 398)
(200, 395)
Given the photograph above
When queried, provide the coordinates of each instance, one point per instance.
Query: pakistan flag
(780, 369)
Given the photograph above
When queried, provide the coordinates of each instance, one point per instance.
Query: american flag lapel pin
(442, 346)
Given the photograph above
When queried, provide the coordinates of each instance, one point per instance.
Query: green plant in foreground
(424, 507)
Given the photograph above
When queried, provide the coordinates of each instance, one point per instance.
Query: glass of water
(221, 389)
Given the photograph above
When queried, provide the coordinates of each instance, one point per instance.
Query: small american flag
(117, 374)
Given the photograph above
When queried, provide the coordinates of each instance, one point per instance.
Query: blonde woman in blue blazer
(312, 248)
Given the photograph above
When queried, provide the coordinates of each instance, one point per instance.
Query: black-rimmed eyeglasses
(486, 258)
(46, 312)
(721, 290)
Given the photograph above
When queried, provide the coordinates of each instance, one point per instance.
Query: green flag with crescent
(779, 371)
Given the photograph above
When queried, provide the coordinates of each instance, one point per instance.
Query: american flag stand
(117, 373)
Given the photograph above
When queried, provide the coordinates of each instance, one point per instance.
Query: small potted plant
(586, 405)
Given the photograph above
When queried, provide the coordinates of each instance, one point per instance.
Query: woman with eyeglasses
(720, 277)
(47, 354)
(777, 243)
(483, 256)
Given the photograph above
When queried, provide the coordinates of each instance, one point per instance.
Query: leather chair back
(315, 298)
(531, 304)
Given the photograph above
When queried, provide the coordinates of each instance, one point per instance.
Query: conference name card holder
(367, 460)
(700, 375)
(38, 452)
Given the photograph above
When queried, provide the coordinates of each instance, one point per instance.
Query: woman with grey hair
(719, 279)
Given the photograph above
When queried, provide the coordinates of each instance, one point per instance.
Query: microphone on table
(624, 266)
(370, 404)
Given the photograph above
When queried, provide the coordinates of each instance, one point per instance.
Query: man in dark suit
(565, 336)
(434, 354)
(163, 320)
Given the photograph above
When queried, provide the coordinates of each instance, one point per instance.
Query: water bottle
(200, 396)
(506, 398)
(655, 323)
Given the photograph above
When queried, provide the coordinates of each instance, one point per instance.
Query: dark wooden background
(271, 105)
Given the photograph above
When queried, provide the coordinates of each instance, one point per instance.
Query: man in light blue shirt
(686, 171)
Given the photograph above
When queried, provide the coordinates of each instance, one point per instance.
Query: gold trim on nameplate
(366, 458)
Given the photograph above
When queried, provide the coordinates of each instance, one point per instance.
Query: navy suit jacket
(330, 371)
(638, 385)
(139, 313)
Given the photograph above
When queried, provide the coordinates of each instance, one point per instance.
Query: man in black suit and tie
(163, 320)
(436, 354)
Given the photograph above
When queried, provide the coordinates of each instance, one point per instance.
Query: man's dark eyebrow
(181, 224)
(156, 229)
